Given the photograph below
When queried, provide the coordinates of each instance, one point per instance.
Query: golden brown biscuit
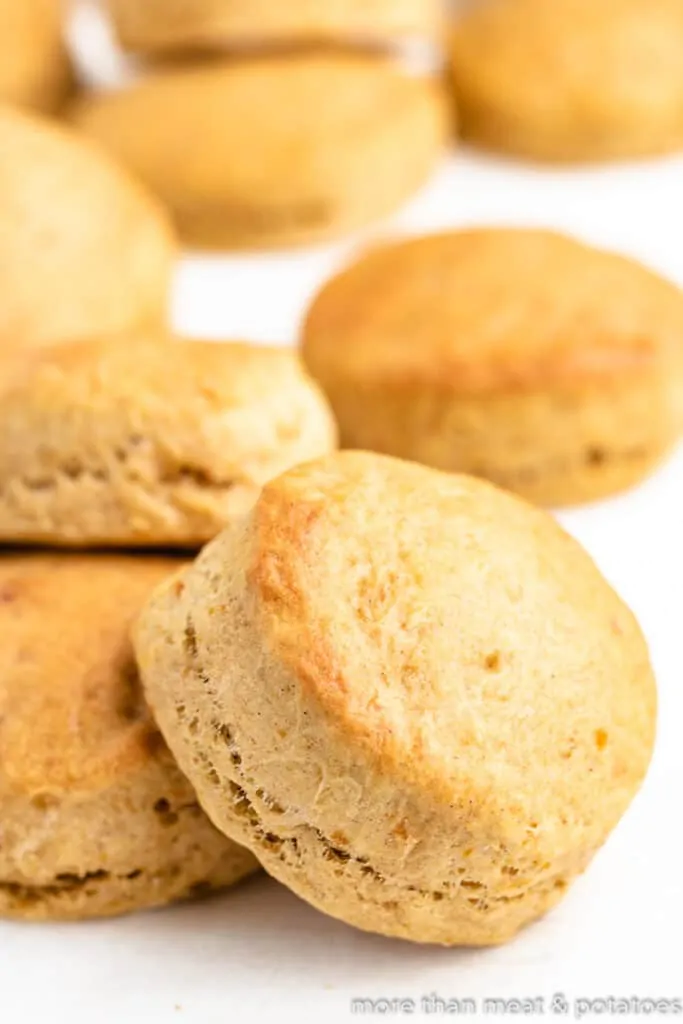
(571, 80)
(410, 694)
(148, 441)
(96, 818)
(35, 70)
(549, 367)
(274, 150)
(166, 25)
(83, 249)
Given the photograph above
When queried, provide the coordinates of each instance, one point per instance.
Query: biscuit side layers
(147, 441)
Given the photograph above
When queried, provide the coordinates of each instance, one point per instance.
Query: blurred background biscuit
(83, 248)
(571, 80)
(148, 441)
(274, 150)
(157, 26)
(35, 69)
(547, 366)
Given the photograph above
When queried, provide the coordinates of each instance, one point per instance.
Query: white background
(258, 953)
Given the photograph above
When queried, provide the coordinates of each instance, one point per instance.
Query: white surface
(258, 953)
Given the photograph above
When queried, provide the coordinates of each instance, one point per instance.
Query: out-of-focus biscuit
(571, 80)
(276, 150)
(83, 248)
(523, 356)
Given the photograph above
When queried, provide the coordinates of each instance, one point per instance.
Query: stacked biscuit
(134, 442)
(294, 122)
(137, 441)
(290, 122)
(114, 437)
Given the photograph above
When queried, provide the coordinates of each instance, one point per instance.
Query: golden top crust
(490, 310)
(34, 66)
(575, 67)
(83, 249)
(185, 375)
(280, 123)
(72, 718)
(214, 402)
(160, 25)
(451, 632)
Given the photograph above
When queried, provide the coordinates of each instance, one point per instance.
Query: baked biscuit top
(490, 310)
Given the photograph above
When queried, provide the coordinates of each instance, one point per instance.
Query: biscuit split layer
(411, 695)
(96, 817)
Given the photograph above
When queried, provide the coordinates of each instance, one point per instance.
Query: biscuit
(572, 80)
(411, 695)
(35, 70)
(159, 26)
(96, 817)
(83, 248)
(551, 368)
(146, 441)
(282, 149)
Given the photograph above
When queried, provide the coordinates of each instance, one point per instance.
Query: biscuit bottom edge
(100, 893)
(365, 899)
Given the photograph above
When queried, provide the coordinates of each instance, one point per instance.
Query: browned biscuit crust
(95, 818)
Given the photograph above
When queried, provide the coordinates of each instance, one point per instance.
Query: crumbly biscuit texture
(83, 248)
(523, 356)
(35, 70)
(96, 817)
(285, 149)
(412, 695)
(149, 440)
(571, 80)
(159, 26)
